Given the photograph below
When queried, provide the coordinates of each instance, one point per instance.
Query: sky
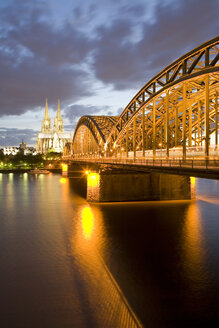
(93, 55)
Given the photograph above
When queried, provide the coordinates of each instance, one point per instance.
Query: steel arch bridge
(175, 114)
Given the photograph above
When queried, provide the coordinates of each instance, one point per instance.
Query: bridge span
(170, 124)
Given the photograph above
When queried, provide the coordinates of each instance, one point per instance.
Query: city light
(93, 179)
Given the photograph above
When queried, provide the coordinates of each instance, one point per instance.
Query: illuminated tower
(55, 140)
(58, 121)
(46, 127)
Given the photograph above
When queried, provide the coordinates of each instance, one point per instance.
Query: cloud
(175, 29)
(74, 112)
(13, 136)
(120, 44)
(37, 60)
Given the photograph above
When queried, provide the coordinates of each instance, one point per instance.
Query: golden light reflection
(25, 176)
(192, 180)
(193, 244)
(63, 180)
(11, 176)
(88, 243)
(87, 222)
(193, 187)
(93, 179)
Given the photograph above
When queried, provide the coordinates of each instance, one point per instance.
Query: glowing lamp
(93, 179)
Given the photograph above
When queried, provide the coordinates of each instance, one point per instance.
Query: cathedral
(52, 139)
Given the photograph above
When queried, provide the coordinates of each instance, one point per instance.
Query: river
(68, 263)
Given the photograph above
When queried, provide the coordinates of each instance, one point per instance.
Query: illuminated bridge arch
(91, 133)
(178, 109)
(174, 114)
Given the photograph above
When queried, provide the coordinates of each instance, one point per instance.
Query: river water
(67, 263)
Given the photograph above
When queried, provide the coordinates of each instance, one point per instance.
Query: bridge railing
(208, 164)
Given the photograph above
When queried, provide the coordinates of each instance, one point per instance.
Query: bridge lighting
(64, 167)
(170, 113)
(93, 179)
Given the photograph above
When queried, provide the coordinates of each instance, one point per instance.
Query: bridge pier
(133, 186)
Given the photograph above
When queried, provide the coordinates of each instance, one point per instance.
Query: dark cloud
(174, 29)
(13, 136)
(37, 60)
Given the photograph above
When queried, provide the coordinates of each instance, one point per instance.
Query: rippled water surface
(67, 263)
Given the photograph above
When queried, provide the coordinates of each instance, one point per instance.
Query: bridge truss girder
(177, 109)
(175, 118)
(90, 135)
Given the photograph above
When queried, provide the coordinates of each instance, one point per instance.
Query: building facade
(52, 139)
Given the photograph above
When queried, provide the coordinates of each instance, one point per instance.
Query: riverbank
(27, 170)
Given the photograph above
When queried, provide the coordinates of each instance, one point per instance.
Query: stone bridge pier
(134, 186)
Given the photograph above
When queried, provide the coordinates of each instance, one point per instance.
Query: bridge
(171, 123)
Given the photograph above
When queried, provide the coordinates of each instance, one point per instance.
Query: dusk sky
(92, 55)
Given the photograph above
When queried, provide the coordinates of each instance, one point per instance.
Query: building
(52, 139)
(11, 150)
(22, 149)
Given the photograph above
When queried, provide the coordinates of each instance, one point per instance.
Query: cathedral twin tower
(58, 121)
(52, 140)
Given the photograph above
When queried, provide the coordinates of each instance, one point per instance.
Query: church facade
(52, 139)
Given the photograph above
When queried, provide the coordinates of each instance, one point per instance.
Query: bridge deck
(191, 167)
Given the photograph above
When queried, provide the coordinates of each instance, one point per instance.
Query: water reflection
(58, 253)
(87, 222)
(106, 301)
(63, 180)
(10, 195)
(25, 188)
(193, 187)
(194, 244)
(194, 261)
(11, 177)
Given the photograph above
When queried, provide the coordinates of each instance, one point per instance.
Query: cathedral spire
(58, 115)
(46, 127)
(58, 121)
(46, 115)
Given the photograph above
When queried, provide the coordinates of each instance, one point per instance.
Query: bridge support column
(176, 126)
(207, 116)
(133, 186)
(154, 128)
(134, 137)
(143, 132)
(190, 123)
(200, 122)
(184, 120)
(127, 141)
(216, 119)
(167, 125)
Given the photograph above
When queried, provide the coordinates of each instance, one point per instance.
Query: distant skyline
(92, 55)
